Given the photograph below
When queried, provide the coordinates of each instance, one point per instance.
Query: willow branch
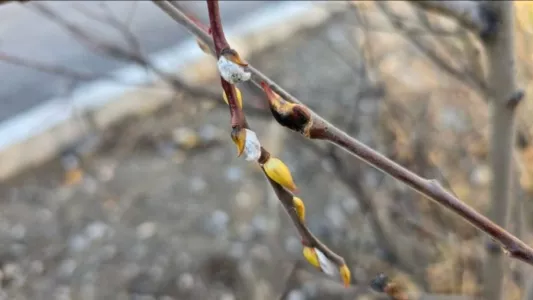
(286, 197)
(473, 15)
(320, 129)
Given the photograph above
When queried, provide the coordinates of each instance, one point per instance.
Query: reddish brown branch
(220, 42)
(322, 129)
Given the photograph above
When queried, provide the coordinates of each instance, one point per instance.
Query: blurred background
(136, 191)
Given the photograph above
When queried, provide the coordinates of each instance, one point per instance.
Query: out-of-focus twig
(461, 75)
(471, 14)
(503, 101)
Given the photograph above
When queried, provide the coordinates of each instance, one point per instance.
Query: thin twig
(472, 14)
(323, 130)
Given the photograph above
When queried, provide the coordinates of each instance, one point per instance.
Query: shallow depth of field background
(161, 208)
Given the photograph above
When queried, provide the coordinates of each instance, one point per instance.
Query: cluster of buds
(291, 115)
(296, 117)
(318, 259)
(232, 68)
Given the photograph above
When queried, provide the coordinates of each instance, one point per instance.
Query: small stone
(296, 295)
(234, 174)
(36, 267)
(245, 231)
(44, 214)
(106, 172)
(293, 245)
(18, 232)
(350, 205)
(130, 270)
(261, 253)
(335, 215)
(237, 250)
(227, 296)
(243, 200)
(142, 297)
(183, 260)
(185, 282)
(146, 230)
(18, 249)
(218, 222)
(260, 224)
(67, 267)
(197, 184)
(185, 137)
(139, 251)
(108, 252)
(78, 243)
(96, 230)
(62, 293)
(13, 272)
(88, 291)
(327, 165)
(90, 185)
(209, 132)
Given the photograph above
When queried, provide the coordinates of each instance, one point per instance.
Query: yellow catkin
(280, 173)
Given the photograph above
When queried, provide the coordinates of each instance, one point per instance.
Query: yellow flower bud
(280, 173)
(300, 208)
(237, 94)
(310, 255)
(345, 275)
(238, 136)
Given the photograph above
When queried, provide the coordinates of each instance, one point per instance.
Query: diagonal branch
(239, 122)
(474, 15)
(323, 130)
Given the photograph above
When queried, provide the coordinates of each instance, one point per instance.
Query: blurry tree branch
(501, 79)
(429, 51)
(471, 14)
(323, 130)
(133, 53)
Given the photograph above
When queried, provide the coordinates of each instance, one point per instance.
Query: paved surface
(26, 33)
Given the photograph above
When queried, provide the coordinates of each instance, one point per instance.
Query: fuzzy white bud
(252, 147)
(232, 72)
(326, 265)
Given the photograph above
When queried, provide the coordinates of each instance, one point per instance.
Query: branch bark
(473, 15)
(502, 88)
(323, 130)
